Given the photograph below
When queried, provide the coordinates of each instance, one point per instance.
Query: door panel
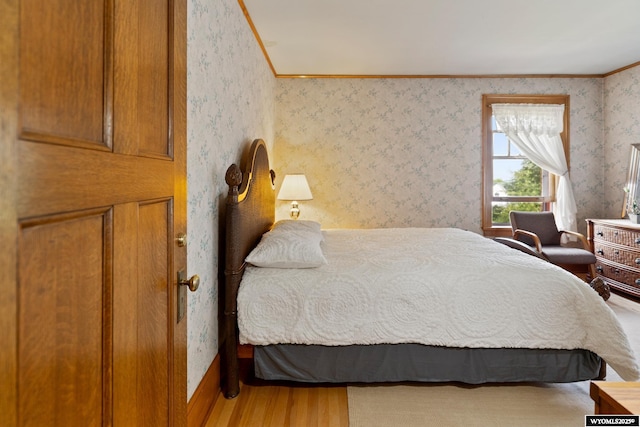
(64, 321)
(142, 313)
(154, 275)
(62, 70)
(142, 78)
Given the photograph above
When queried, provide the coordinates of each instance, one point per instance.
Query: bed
(392, 305)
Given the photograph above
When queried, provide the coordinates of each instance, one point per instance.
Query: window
(518, 184)
(510, 180)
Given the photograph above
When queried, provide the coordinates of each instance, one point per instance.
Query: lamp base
(295, 212)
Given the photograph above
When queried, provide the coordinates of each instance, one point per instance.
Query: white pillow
(289, 246)
(299, 225)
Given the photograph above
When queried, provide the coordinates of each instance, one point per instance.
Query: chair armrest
(533, 236)
(521, 246)
(580, 237)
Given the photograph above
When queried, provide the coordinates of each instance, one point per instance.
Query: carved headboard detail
(250, 212)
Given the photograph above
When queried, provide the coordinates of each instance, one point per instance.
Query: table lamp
(295, 187)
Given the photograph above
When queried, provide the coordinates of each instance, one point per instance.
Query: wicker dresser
(616, 244)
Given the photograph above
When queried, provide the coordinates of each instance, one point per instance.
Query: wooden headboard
(250, 212)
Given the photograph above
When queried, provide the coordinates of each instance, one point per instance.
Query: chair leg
(592, 271)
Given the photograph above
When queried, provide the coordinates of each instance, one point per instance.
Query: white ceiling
(447, 37)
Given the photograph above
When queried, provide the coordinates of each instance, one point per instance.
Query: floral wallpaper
(230, 102)
(376, 152)
(407, 152)
(621, 129)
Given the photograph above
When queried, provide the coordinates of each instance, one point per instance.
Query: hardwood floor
(282, 406)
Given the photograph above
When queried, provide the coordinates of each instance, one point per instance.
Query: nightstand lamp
(295, 187)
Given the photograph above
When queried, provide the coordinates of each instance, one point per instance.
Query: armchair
(539, 232)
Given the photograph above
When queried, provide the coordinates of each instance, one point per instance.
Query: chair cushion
(568, 255)
(543, 224)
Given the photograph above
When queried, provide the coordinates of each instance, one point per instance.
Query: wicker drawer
(628, 276)
(624, 237)
(617, 254)
(616, 244)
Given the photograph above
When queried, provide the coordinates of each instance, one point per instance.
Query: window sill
(497, 231)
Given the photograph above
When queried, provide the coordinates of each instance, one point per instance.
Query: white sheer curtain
(535, 129)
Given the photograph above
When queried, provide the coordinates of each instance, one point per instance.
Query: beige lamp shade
(295, 187)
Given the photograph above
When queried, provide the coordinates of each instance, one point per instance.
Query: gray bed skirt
(416, 362)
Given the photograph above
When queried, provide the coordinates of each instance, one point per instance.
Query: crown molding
(418, 76)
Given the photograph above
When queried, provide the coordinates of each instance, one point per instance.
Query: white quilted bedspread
(445, 287)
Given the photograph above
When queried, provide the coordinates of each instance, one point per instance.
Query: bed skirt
(421, 363)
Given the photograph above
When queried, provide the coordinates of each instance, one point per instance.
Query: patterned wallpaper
(621, 129)
(407, 152)
(230, 102)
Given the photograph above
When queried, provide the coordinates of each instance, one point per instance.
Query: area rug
(529, 404)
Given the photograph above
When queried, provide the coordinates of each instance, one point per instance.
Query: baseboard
(205, 396)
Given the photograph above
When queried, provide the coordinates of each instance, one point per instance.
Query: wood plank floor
(262, 405)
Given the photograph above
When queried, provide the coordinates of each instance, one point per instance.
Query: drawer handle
(600, 233)
(615, 233)
(616, 252)
(638, 282)
(637, 240)
(600, 252)
(638, 261)
(599, 269)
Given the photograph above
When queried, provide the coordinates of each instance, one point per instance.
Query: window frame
(488, 228)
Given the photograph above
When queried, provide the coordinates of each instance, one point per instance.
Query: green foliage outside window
(526, 182)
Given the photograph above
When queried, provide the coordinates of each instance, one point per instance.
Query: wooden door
(92, 198)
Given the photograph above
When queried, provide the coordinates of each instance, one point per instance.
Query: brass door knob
(191, 283)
